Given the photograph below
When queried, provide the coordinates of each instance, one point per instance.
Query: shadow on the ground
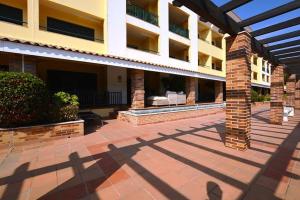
(112, 160)
(214, 191)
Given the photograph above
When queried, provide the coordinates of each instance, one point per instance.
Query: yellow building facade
(34, 22)
(111, 37)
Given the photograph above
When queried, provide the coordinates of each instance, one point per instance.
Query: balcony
(141, 40)
(178, 21)
(178, 51)
(59, 26)
(217, 40)
(13, 15)
(203, 60)
(179, 30)
(71, 34)
(141, 13)
(204, 33)
(217, 64)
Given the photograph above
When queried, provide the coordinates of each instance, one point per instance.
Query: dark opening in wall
(70, 29)
(11, 14)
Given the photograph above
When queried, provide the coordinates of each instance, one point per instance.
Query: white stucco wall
(116, 27)
(117, 43)
(117, 81)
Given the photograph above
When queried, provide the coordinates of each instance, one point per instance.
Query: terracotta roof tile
(87, 52)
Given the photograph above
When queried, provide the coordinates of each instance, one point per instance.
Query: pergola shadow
(112, 160)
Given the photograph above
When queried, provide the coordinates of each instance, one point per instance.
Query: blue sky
(259, 6)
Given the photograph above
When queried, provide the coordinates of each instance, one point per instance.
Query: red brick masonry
(291, 89)
(137, 89)
(277, 90)
(164, 117)
(41, 132)
(297, 94)
(238, 85)
(190, 85)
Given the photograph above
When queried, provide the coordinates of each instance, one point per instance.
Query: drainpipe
(23, 67)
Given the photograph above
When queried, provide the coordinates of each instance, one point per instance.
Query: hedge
(24, 99)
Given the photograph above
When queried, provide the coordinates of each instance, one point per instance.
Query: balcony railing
(203, 65)
(179, 30)
(71, 34)
(142, 14)
(143, 49)
(217, 68)
(204, 40)
(13, 21)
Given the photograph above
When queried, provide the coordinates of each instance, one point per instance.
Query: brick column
(277, 91)
(291, 89)
(218, 92)
(190, 89)
(297, 93)
(238, 87)
(137, 89)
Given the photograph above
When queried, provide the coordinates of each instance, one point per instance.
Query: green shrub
(24, 99)
(254, 96)
(261, 98)
(64, 107)
(63, 98)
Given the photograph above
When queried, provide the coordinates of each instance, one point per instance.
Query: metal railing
(141, 13)
(217, 68)
(143, 49)
(87, 99)
(71, 34)
(13, 21)
(93, 99)
(179, 30)
(203, 65)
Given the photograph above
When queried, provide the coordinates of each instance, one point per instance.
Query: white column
(115, 34)
(163, 13)
(193, 31)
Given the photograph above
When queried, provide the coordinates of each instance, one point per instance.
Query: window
(263, 77)
(11, 14)
(4, 68)
(268, 79)
(254, 75)
(66, 28)
(255, 60)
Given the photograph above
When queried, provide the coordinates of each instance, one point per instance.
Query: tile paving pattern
(183, 159)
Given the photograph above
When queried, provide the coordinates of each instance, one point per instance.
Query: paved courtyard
(183, 159)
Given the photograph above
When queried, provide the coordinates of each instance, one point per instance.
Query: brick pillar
(218, 92)
(238, 87)
(277, 91)
(190, 88)
(291, 89)
(297, 94)
(137, 89)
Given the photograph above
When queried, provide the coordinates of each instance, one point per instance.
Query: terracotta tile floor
(183, 159)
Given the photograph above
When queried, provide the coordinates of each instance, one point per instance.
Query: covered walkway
(173, 160)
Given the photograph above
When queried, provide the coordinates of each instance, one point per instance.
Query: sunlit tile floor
(183, 159)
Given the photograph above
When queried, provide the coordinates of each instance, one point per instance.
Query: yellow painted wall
(206, 33)
(91, 14)
(258, 69)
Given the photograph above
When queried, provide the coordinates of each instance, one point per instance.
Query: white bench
(288, 111)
